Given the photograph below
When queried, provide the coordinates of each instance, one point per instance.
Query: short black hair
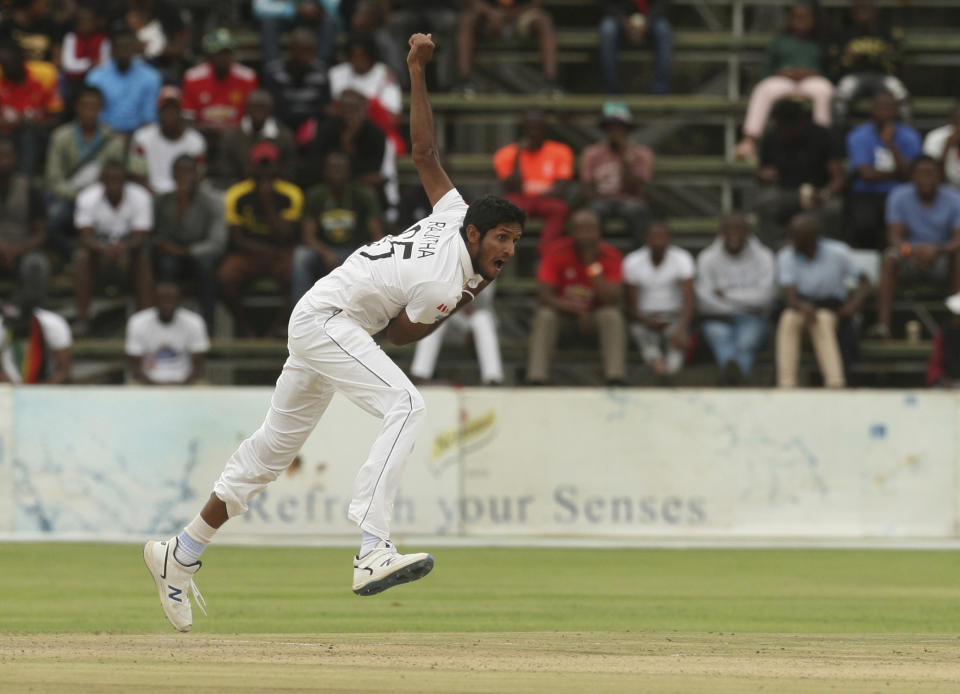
(113, 163)
(489, 211)
(365, 41)
(925, 158)
(789, 111)
(88, 90)
(185, 158)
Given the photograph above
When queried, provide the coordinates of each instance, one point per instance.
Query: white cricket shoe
(384, 567)
(174, 583)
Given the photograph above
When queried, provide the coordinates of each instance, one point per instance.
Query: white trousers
(328, 353)
(482, 322)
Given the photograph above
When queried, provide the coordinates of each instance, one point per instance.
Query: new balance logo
(443, 308)
(175, 594)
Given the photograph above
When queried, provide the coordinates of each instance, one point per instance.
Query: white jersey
(422, 270)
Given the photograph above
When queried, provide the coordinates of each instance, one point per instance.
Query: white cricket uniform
(423, 272)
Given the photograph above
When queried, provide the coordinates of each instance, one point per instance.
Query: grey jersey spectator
(190, 233)
(735, 288)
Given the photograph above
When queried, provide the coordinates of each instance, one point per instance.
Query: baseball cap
(169, 93)
(264, 150)
(219, 40)
(953, 303)
(616, 112)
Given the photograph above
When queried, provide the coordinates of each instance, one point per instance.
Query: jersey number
(407, 246)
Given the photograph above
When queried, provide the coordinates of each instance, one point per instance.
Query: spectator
(660, 300)
(166, 343)
(75, 156)
(113, 218)
(735, 289)
(35, 344)
(579, 284)
(615, 172)
(340, 216)
(368, 20)
(23, 229)
(215, 92)
(794, 67)
(128, 84)
(257, 125)
(943, 144)
(172, 57)
(299, 85)
(264, 216)
(347, 131)
(29, 24)
(364, 73)
(535, 172)
(865, 57)
(279, 16)
(476, 320)
(84, 48)
(441, 17)
(943, 368)
(880, 153)
(801, 168)
(156, 146)
(814, 274)
(500, 19)
(923, 237)
(28, 102)
(190, 234)
(636, 20)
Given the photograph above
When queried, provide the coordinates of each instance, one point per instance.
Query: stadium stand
(718, 48)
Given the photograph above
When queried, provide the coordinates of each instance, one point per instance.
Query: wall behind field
(498, 463)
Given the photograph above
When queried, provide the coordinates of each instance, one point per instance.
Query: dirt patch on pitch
(464, 662)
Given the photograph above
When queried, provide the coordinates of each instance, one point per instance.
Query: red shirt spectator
(579, 286)
(540, 168)
(562, 269)
(217, 102)
(32, 99)
(535, 172)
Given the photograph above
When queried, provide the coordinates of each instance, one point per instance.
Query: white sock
(369, 542)
(192, 541)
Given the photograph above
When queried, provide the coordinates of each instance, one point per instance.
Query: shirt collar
(466, 264)
(270, 130)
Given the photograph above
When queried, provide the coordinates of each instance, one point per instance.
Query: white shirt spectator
(112, 224)
(660, 285)
(933, 146)
(56, 336)
(379, 86)
(74, 66)
(378, 83)
(166, 348)
(153, 154)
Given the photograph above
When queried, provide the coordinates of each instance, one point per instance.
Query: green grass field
(85, 618)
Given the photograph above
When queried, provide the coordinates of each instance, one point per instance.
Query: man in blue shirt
(129, 86)
(814, 274)
(881, 152)
(923, 237)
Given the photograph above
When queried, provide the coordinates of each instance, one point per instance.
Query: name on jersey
(429, 239)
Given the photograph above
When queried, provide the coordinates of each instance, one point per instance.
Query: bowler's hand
(421, 50)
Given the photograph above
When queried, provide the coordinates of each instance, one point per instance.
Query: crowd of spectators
(133, 153)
